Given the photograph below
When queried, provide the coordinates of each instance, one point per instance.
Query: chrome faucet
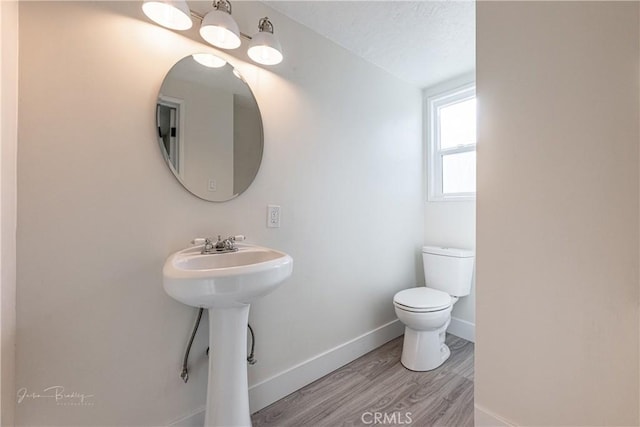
(220, 246)
(226, 245)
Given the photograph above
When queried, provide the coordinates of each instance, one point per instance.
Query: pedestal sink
(226, 284)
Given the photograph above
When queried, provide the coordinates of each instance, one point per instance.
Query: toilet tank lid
(452, 252)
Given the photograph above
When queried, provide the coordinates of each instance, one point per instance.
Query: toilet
(426, 310)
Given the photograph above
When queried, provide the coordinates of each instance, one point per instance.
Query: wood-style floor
(377, 383)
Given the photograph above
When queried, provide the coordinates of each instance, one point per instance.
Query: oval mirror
(209, 128)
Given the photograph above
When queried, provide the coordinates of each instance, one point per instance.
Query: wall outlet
(273, 216)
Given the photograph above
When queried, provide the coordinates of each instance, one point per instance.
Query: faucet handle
(199, 241)
(238, 238)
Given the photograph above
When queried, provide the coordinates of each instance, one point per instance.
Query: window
(451, 142)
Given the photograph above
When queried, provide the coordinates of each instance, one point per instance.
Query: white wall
(453, 223)
(8, 146)
(99, 211)
(557, 208)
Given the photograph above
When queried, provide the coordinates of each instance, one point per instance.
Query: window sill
(466, 198)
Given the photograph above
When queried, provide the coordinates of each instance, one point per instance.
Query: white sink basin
(227, 279)
(226, 284)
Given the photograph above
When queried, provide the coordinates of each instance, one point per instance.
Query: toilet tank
(448, 269)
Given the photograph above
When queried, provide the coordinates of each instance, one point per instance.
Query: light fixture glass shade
(173, 14)
(209, 60)
(220, 29)
(265, 49)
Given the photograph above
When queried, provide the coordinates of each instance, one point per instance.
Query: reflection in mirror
(167, 113)
(209, 129)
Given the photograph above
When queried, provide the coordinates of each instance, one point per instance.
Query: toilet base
(424, 350)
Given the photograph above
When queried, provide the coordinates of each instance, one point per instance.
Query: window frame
(434, 101)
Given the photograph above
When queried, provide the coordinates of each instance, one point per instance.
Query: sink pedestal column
(228, 389)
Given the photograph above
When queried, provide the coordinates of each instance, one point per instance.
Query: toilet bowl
(425, 328)
(426, 310)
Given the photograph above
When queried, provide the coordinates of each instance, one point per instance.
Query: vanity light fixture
(218, 28)
(174, 14)
(264, 47)
(209, 60)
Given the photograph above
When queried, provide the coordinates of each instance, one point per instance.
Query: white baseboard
(284, 383)
(463, 329)
(194, 419)
(485, 418)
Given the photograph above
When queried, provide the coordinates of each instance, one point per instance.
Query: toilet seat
(422, 300)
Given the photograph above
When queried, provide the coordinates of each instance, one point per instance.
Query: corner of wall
(638, 91)
(8, 146)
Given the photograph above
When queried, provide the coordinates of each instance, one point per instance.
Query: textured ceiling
(421, 42)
